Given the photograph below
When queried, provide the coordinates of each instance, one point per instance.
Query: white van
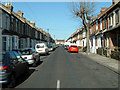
(41, 48)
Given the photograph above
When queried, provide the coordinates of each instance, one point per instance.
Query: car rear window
(40, 46)
(26, 52)
(49, 46)
(73, 46)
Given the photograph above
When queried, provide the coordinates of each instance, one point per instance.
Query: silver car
(31, 56)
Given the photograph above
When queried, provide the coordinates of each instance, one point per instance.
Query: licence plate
(40, 50)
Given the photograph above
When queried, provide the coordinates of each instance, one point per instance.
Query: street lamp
(54, 37)
(48, 35)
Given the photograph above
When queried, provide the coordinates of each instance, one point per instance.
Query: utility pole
(54, 37)
(48, 35)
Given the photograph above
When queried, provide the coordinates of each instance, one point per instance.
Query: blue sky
(53, 15)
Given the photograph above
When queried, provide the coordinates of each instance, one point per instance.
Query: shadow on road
(24, 77)
(39, 63)
(21, 79)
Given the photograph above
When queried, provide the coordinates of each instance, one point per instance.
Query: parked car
(54, 46)
(50, 48)
(67, 47)
(42, 48)
(73, 48)
(17, 50)
(12, 66)
(31, 56)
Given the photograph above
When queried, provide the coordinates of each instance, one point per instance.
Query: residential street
(62, 69)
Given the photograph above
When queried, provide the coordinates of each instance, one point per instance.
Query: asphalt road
(62, 69)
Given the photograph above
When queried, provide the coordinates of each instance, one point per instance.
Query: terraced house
(79, 38)
(17, 32)
(104, 32)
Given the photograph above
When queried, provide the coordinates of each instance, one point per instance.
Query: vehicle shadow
(45, 54)
(72, 52)
(39, 63)
(24, 77)
(20, 80)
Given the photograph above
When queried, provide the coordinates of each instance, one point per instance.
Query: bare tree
(84, 10)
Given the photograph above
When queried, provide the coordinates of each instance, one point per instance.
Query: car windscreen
(26, 52)
(40, 46)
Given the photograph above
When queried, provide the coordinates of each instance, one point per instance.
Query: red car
(73, 48)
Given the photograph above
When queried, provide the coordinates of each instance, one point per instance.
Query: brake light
(32, 59)
(45, 49)
(5, 67)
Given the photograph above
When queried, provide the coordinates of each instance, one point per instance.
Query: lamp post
(48, 35)
(54, 37)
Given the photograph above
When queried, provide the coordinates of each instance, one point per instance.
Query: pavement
(110, 63)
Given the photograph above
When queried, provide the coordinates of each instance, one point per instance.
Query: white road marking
(58, 84)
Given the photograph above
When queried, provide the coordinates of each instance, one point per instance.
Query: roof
(105, 11)
(60, 40)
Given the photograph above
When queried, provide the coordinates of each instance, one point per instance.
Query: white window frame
(7, 42)
(117, 16)
(101, 24)
(97, 25)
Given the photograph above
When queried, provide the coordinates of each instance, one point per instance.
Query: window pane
(0, 19)
(4, 43)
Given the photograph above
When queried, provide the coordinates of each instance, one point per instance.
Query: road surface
(62, 69)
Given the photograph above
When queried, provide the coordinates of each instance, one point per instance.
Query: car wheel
(47, 53)
(34, 64)
(12, 82)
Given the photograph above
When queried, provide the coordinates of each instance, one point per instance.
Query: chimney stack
(9, 6)
(20, 13)
(93, 18)
(103, 9)
(115, 1)
(33, 23)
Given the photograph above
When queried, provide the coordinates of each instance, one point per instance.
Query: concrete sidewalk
(107, 62)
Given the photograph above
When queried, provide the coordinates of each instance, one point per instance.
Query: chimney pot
(9, 6)
(103, 9)
(33, 23)
(20, 13)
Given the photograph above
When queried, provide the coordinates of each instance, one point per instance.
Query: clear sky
(56, 16)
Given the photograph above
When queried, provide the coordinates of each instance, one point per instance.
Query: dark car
(12, 66)
(18, 51)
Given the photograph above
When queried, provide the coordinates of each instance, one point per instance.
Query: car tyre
(45, 54)
(12, 82)
(34, 64)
